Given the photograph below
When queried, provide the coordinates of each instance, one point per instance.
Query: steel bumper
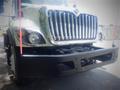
(35, 65)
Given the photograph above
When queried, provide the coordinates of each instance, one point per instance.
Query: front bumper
(34, 64)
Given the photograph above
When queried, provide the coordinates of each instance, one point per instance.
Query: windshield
(55, 2)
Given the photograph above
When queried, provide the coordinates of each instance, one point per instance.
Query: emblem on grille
(76, 11)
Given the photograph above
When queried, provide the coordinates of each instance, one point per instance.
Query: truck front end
(56, 40)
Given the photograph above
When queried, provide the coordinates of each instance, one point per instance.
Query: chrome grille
(66, 25)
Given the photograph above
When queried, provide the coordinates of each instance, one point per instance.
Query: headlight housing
(35, 38)
(30, 37)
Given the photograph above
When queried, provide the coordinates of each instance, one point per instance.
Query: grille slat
(86, 21)
(76, 21)
(79, 27)
(92, 26)
(73, 34)
(69, 30)
(61, 26)
(82, 24)
(89, 26)
(56, 26)
(66, 26)
(51, 25)
(85, 26)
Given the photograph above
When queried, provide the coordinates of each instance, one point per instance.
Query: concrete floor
(103, 78)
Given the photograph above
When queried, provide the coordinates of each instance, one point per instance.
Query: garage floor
(104, 78)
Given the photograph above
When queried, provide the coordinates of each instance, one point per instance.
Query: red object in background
(20, 38)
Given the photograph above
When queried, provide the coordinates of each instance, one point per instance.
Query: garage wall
(4, 16)
(119, 13)
(106, 10)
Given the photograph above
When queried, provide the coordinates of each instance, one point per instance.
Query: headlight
(31, 38)
(35, 38)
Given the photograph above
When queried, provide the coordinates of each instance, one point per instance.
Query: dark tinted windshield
(56, 2)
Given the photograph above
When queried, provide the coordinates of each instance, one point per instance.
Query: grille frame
(72, 41)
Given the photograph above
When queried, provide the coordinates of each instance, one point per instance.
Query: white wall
(4, 16)
(106, 10)
(119, 13)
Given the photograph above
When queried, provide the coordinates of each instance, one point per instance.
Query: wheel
(14, 76)
(13, 64)
(13, 68)
(8, 54)
(7, 48)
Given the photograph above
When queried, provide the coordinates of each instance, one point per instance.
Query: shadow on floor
(96, 79)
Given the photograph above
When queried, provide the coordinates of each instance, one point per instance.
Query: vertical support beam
(20, 13)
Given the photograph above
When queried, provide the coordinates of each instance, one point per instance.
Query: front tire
(15, 75)
(7, 49)
(12, 63)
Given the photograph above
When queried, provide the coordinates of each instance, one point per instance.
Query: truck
(56, 40)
